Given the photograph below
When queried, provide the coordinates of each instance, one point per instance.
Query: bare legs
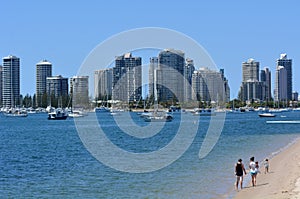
(266, 170)
(239, 179)
(253, 180)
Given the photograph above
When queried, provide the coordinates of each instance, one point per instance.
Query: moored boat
(58, 114)
(204, 112)
(16, 113)
(101, 109)
(158, 118)
(266, 115)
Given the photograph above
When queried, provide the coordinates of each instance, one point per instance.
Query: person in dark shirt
(239, 172)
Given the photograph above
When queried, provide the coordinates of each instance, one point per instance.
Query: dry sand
(283, 179)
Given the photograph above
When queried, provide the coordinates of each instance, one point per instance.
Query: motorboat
(266, 115)
(101, 109)
(204, 112)
(76, 114)
(158, 118)
(57, 114)
(15, 113)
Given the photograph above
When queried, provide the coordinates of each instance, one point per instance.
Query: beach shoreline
(283, 179)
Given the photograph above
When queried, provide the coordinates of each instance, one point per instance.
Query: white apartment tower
(11, 81)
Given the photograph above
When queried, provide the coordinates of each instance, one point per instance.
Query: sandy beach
(283, 179)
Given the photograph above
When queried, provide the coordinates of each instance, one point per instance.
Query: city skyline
(221, 28)
(251, 73)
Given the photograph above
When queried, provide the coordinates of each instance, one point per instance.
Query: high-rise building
(226, 86)
(11, 81)
(57, 89)
(152, 77)
(210, 85)
(251, 88)
(265, 77)
(170, 75)
(127, 78)
(295, 96)
(188, 73)
(250, 70)
(281, 81)
(103, 84)
(79, 91)
(43, 70)
(287, 64)
(1, 69)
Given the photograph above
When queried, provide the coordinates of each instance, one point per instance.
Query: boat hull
(266, 115)
(57, 118)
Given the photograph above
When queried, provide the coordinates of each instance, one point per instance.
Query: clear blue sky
(64, 32)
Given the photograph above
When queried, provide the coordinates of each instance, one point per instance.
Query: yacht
(204, 112)
(57, 114)
(266, 115)
(15, 113)
(158, 118)
(101, 109)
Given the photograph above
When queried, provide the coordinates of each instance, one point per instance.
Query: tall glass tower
(127, 78)
(43, 70)
(287, 64)
(170, 75)
(11, 81)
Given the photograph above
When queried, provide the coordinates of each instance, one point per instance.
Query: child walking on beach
(239, 171)
(266, 164)
(257, 167)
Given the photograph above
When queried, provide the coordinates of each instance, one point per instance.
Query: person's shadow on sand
(258, 185)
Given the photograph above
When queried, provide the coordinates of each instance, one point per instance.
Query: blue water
(46, 159)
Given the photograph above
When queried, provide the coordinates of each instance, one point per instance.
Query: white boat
(58, 114)
(156, 115)
(101, 109)
(76, 114)
(204, 112)
(158, 118)
(266, 115)
(16, 113)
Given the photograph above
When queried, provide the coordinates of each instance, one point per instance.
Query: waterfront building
(250, 70)
(43, 70)
(152, 77)
(11, 81)
(1, 69)
(251, 88)
(79, 90)
(103, 84)
(209, 85)
(287, 64)
(170, 74)
(226, 86)
(57, 90)
(265, 77)
(281, 81)
(295, 96)
(127, 78)
(188, 74)
(252, 91)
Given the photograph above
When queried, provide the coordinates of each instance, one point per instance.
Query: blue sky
(64, 32)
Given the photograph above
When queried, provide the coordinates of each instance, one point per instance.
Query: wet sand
(283, 179)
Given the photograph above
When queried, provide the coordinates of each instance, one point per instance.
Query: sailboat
(157, 116)
(102, 108)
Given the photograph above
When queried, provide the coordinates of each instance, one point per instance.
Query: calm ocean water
(46, 159)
